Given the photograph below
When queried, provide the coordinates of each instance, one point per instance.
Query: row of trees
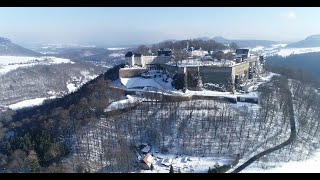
(177, 46)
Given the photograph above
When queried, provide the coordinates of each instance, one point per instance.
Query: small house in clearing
(147, 161)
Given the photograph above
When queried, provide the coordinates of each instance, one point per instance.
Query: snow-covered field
(9, 63)
(308, 166)
(116, 55)
(289, 51)
(29, 103)
(282, 50)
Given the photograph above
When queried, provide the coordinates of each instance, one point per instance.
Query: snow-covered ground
(251, 89)
(308, 166)
(289, 51)
(157, 82)
(116, 48)
(130, 101)
(29, 103)
(142, 84)
(71, 87)
(198, 62)
(116, 55)
(76, 82)
(257, 48)
(282, 50)
(138, 82)
(186, 164)
(9, 63)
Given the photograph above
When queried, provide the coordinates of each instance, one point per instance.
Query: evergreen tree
(171, 169)
(34, 162)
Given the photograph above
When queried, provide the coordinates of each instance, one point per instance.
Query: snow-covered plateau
(9, 63)
(282, 50)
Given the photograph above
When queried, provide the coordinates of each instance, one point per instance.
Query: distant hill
(308, 62)
(203, 38)
(245, 43)
(95, 55)
(7, 48)
(80, 53)
(310, 41)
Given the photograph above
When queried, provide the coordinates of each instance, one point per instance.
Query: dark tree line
(177, 46)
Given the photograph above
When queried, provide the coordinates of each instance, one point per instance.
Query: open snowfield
(288, 51)
(282, 50)
(9, 63)
(308, 166)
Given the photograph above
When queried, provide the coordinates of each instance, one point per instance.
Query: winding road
(293, 136)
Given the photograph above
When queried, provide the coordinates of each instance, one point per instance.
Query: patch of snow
(308, 166)
(71, 87)
(116, 55)
(186, 164)
(258, 48)
(289, 51)
(140, 83)
(29, 103)
(116, 48)
(130, 101)
(279, 45)
(198, 62)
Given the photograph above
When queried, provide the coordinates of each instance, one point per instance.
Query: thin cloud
(289, 15)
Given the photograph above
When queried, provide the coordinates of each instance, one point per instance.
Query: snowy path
(292, 137)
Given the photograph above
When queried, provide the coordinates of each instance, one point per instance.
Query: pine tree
(34, 162)
(171, 169)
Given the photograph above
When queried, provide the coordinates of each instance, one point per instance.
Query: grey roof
(242, 51)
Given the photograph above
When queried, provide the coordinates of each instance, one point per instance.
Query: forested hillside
(42, 131)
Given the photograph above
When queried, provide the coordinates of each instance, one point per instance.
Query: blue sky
(117, 26)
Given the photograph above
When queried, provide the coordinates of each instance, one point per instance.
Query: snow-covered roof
(166, 161)
(146, 149)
